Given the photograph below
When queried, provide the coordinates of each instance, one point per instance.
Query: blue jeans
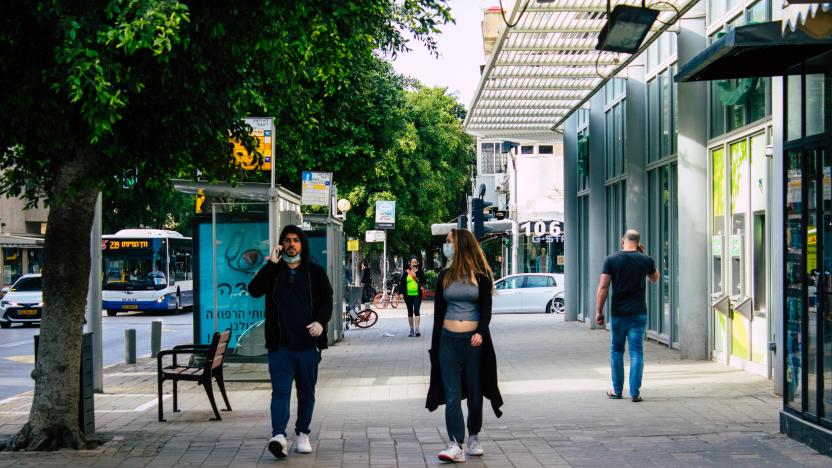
(301, 367)
(457, 358)
(629, 329)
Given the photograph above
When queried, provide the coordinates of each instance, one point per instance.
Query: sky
(460, 52)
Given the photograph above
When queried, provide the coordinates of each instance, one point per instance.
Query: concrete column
(597, 199)
(570, 224)
(636, 146)
(693, 187)
(776, 218)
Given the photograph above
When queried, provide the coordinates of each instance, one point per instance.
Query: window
(660, 239)
(615, 139)
(583, 149)
(739, 102)
(511, 283)
(546, 149)
(492, 160)
(527, 149)
(539, 282)
(662, 116)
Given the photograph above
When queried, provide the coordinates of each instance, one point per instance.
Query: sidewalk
(370, 410)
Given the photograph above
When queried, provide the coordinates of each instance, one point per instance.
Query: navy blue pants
(286, 366)
(458, 357)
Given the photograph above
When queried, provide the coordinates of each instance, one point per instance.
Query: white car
(529, 292)
(23, 302)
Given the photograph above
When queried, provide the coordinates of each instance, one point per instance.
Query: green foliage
(430, 279)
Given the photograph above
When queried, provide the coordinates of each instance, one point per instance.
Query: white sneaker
(453, 453)
(474, 447)
(277, 446)
(302, 444)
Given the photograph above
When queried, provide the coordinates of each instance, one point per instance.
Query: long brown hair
(468, 259)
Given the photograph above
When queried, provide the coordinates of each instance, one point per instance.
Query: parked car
(23, 302)
(529, 292)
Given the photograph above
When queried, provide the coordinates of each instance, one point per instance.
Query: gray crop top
(462, 299)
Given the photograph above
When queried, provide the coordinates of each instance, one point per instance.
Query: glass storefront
(808, 249)
(739, 296)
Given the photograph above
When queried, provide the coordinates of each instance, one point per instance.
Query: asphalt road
(17, 345)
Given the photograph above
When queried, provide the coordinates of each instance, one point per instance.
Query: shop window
(662, 116)
(12, 264)
(35, 257)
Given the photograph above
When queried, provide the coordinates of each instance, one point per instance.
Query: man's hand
(476, 340)
(599, 318)
(315, 329)
(275, 256)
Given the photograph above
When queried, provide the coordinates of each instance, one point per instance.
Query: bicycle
(387, 296)
(360, 318)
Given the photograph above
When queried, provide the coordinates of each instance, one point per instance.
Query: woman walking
(461, 344)
(411, 286)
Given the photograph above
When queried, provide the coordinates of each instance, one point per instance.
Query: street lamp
(343, 206)
(626, 28)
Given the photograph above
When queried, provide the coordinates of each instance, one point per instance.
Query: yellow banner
(264, 147)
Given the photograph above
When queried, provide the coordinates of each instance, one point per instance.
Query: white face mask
(290, 259)
(448, 249)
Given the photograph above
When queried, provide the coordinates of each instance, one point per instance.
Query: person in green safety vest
(411, 286)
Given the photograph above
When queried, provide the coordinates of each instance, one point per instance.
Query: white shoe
(302, 444)
(474, 447)
(277, 446)
(453, 453)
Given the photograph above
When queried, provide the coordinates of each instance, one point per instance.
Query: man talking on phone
(298, 308)
(626, 270)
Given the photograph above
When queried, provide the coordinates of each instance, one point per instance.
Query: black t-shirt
(628, 270)
(295, 303)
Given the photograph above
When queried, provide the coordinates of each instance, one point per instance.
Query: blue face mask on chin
(290, 259)
(448, 249)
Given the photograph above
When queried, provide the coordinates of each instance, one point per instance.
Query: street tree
(91, 89)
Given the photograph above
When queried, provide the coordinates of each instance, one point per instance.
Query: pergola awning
(546, 66)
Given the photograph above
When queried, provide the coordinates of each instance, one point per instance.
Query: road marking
(17, 343)
(139, 409)
(11, 399)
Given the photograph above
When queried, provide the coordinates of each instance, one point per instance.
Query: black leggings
(413, 304)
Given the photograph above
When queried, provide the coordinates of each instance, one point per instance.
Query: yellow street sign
(352, 245)
(264, 147)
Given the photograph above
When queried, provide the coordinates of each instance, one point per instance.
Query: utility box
(86, 399)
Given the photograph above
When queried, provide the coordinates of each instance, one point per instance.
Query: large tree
(91, 88)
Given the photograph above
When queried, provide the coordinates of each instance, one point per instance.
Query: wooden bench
(213, 355)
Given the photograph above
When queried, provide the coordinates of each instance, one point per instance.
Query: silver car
(529, 293)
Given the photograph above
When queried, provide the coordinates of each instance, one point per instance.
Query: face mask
(448, 249)
(289, 259)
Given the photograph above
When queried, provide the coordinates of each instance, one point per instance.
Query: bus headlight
(161, 299)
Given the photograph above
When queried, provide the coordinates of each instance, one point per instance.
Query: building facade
(21, 239)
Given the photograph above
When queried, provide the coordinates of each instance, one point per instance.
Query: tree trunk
(53, 419)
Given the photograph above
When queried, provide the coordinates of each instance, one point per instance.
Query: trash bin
(86, 399)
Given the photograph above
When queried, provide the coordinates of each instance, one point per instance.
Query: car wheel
(557, 305)
(5, 324)
(111, 313)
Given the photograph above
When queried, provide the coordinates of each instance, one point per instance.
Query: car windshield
(28, 284)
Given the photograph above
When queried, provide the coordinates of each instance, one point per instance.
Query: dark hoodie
(320, 291)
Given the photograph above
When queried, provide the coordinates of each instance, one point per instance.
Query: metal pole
(94, 300)
(273, 225)
(130, 346)
(384, 263)
(214, 261)
(155, 338)
(515, 245)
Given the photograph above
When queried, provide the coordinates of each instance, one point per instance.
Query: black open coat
(488, 366)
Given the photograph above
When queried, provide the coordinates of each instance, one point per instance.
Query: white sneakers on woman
(474, 447)
(278, 445)
(453, 453)
(302, 444)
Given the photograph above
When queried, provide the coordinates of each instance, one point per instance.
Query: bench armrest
(174, 352)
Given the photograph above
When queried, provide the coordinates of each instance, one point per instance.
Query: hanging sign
(315, 188)
(385, 214)
(352, 245)
(262, 131)
(374, 236)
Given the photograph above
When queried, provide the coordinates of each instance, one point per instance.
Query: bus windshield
(126, 270)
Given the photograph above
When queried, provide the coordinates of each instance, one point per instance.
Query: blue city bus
(146, 270)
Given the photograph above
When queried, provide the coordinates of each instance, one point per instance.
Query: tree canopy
(92, 88)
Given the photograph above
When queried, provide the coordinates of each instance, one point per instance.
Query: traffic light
(477, 217)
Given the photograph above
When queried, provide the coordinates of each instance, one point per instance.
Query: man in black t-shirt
(626, 270)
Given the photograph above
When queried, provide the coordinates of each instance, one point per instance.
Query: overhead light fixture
(626, 28)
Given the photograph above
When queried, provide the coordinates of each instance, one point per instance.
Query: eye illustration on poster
(242, 247)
